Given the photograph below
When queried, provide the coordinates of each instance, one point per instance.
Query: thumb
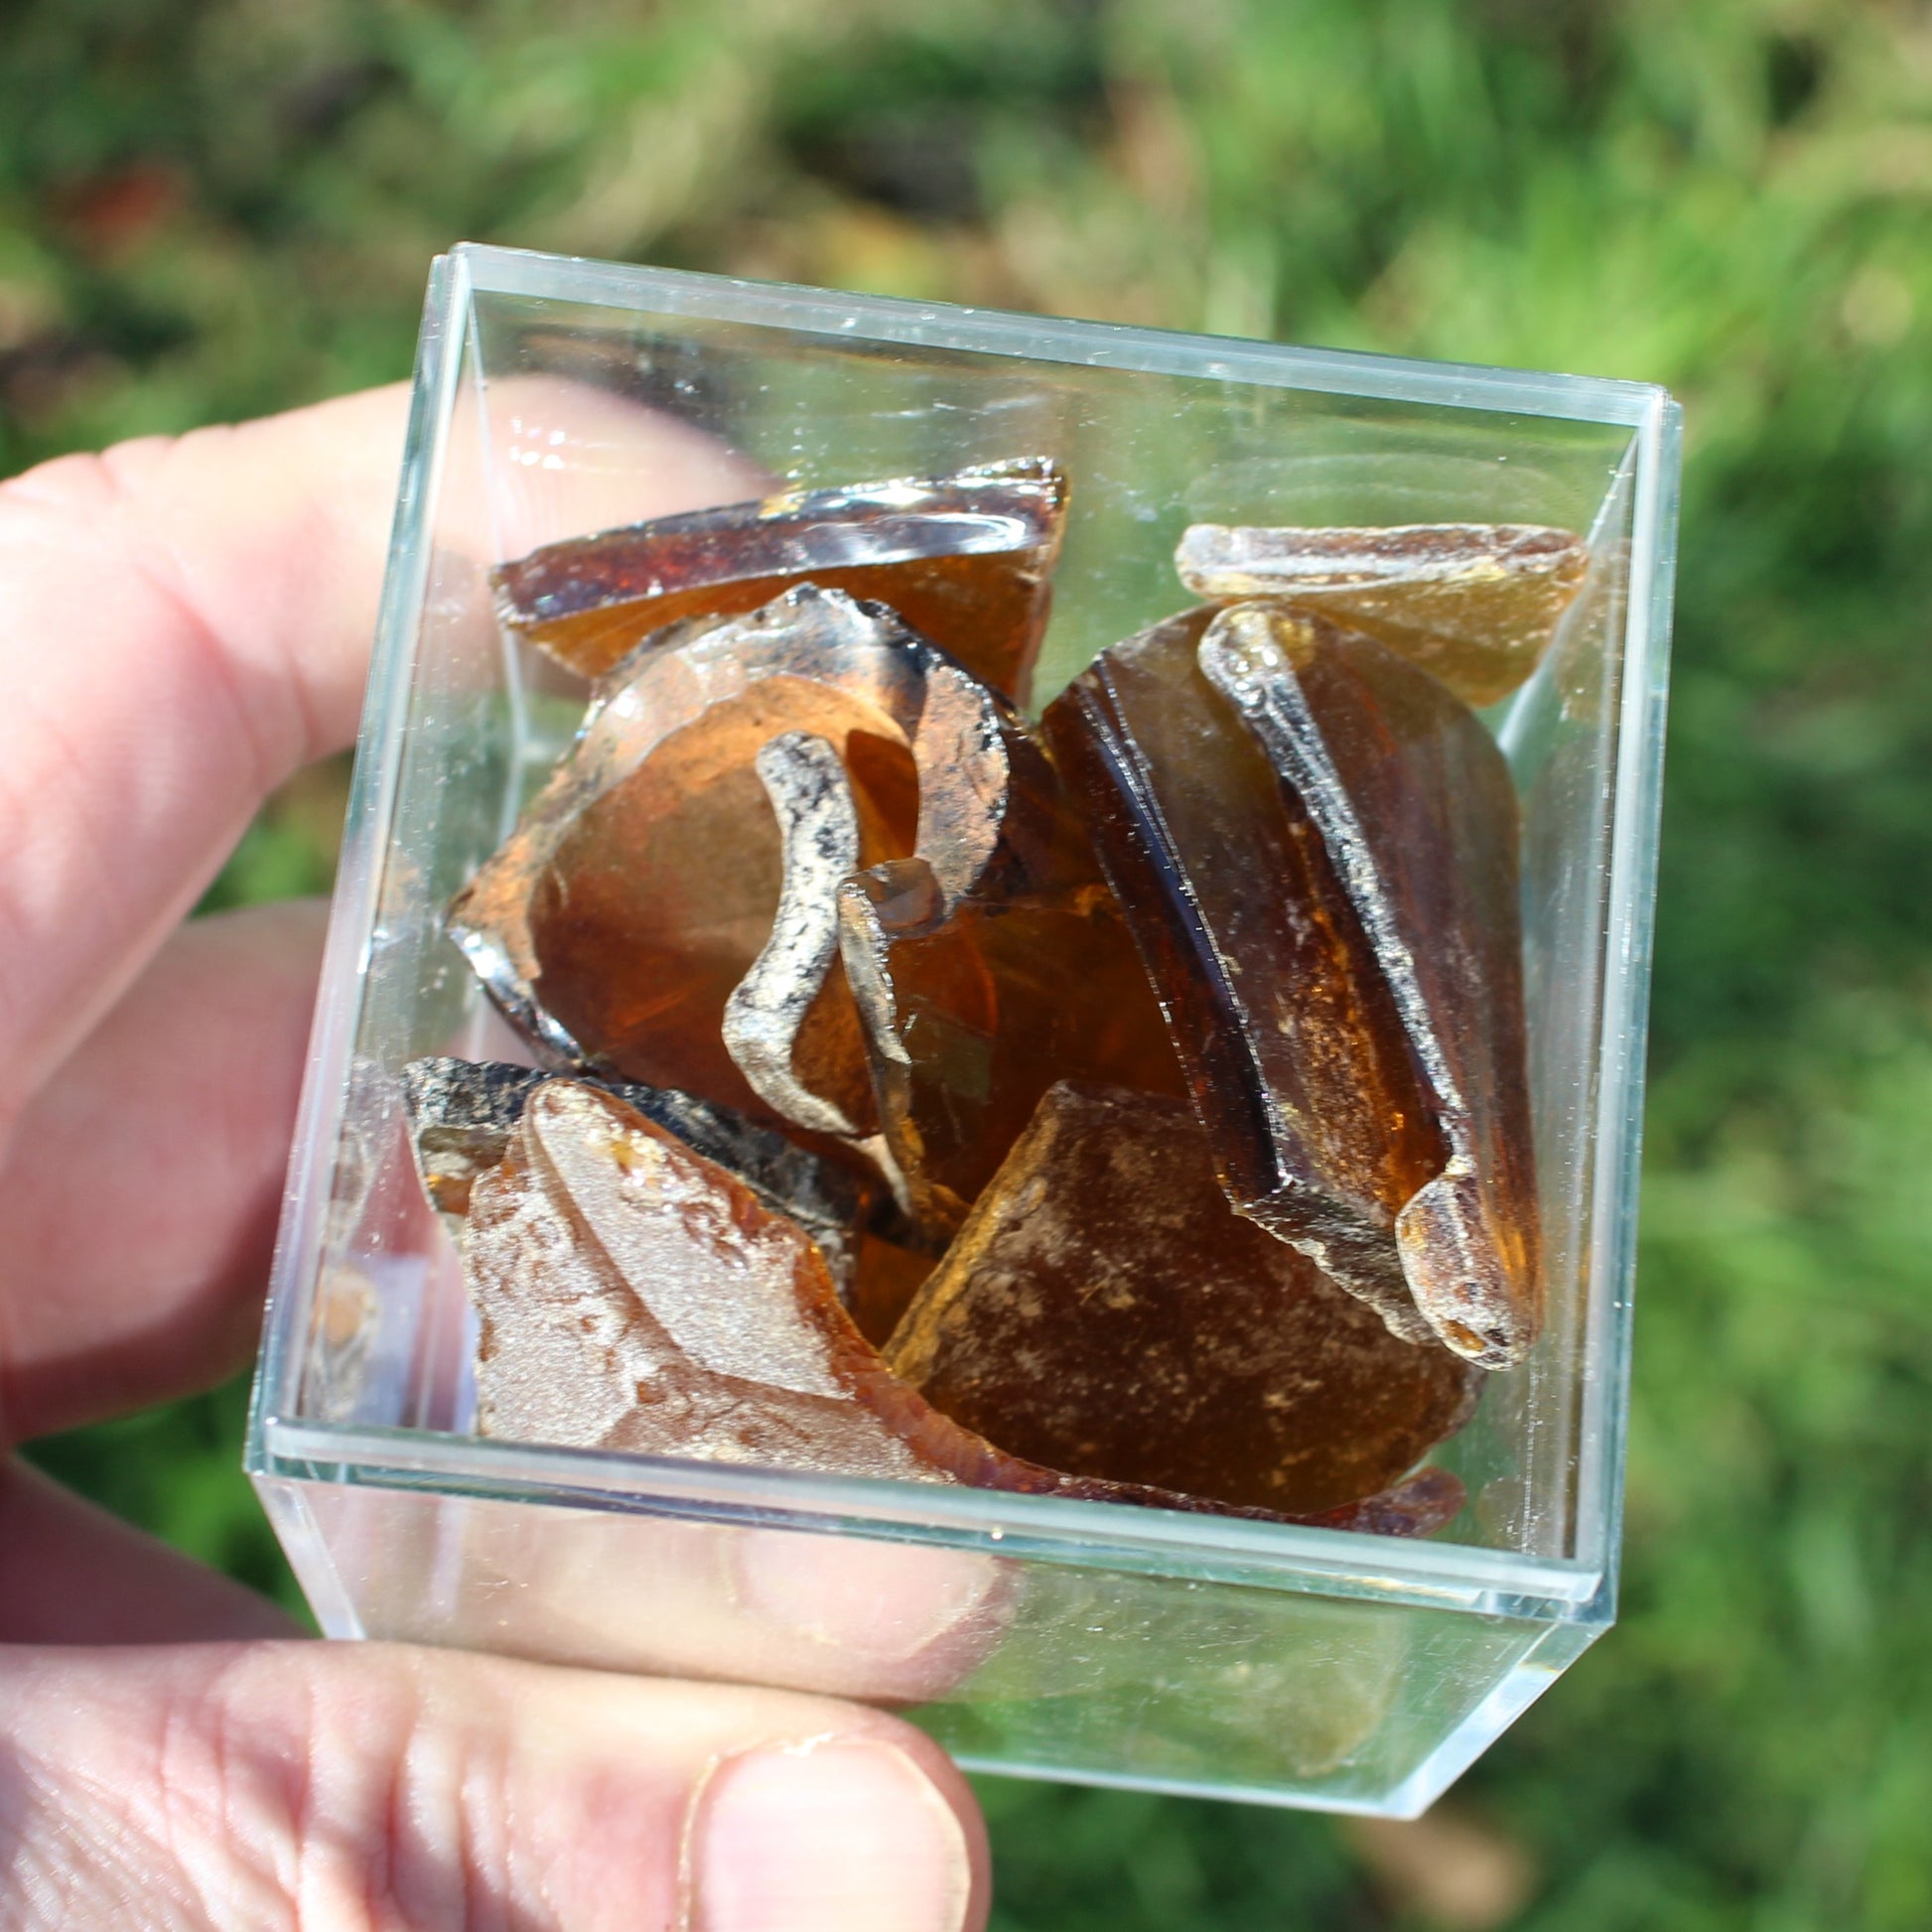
(315, 1785)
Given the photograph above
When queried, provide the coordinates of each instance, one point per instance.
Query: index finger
(183, 623)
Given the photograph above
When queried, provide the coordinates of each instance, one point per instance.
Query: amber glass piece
(1274, 913)
(640, 886)
(636, 1295)
(973, 1014)
(1417, 811)
(461, 1114)
(1294, 1060)
(1105, 1313)
(1473, 604)
(966, 560)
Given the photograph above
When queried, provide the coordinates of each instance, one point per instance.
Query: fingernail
(838, 1837)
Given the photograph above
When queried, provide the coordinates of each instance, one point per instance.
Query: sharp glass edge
(1270, 702)
(818, 824)
(1262, 687)
(1330, 1238)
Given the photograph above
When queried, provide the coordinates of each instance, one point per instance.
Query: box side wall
(1630, 947)
(937, 328)
(1026, 1666)
(297, 1341)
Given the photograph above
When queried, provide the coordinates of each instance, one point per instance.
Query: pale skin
(183, 625)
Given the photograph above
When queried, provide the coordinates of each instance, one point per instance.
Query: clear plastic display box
(1092, 1642)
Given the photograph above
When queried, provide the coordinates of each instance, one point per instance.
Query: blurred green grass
(212, 210)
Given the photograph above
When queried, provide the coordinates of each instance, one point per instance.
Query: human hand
(182, 626)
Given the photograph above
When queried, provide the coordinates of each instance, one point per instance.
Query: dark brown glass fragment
(1473, 604)
(639, 887)
(635, 1295)
(1417, 811)
(461, 1114)
(966, 560)
(1105, 1313)
(1296, 1064)
(1327, 1107)
(973, 1014)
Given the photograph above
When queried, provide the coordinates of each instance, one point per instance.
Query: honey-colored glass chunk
(1315, 847)
(966, 561)
(636, 1295)
(1105, 1313)
(1294, 1060)
(1473, 604)
(640, 886)
(461, 1114)
(1417, 811)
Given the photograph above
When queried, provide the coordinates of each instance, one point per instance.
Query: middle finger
(143, 1179)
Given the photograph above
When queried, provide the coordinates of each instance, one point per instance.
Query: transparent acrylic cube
(1090, 1641)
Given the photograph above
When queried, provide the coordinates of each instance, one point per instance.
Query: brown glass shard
(966, 560)
(1473, 604)
(1295, 1061)
(635, 1295)
(1104, 1311)
(790, 1023)
(973, 1013)
(461, 1114)
(1373, 1115)
(640, 886)
(1417, 811)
